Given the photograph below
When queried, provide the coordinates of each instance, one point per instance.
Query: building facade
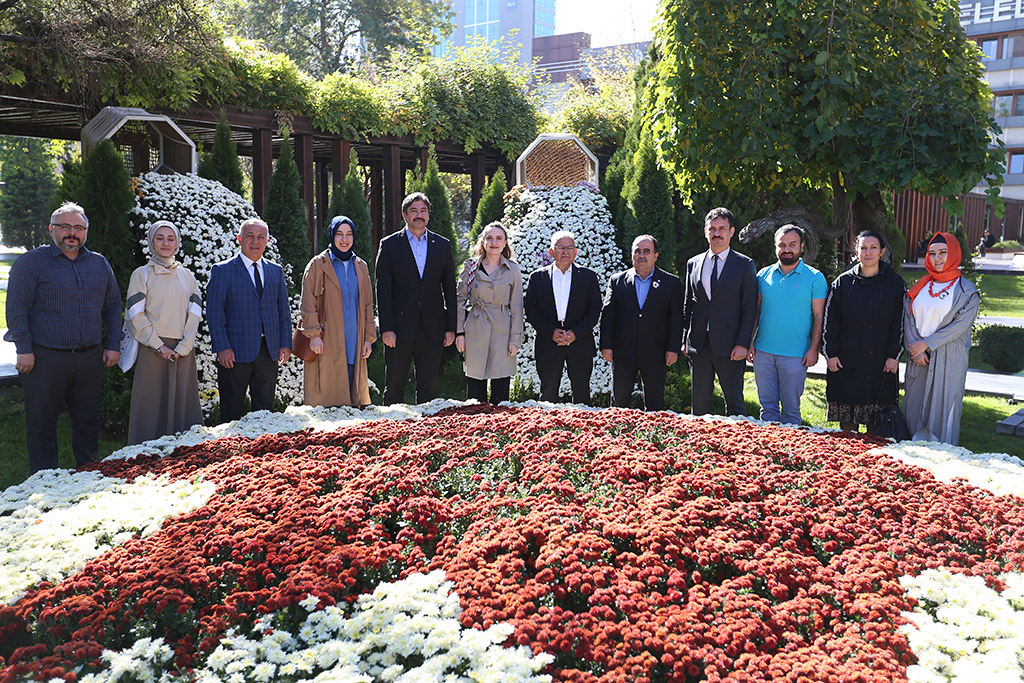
(518, 21)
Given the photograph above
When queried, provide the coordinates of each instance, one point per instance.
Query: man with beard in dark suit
(415, 302)
(563, 302)
(642, 326)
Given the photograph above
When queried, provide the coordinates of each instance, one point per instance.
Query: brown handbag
(300, 347)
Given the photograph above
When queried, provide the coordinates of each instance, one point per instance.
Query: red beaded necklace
(933, 293)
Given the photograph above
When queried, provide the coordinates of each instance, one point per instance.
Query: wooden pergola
(322, 157)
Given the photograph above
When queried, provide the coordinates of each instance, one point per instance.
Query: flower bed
(615, 545)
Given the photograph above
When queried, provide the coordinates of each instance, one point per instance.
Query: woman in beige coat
(337, 316)
(490, 316)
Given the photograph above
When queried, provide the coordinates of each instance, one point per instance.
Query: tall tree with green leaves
(491, 206)
(107, 197)
(325, 36)
(27, 168)
(858, 96)
(220, 163)
(286, 214)
(348, 199)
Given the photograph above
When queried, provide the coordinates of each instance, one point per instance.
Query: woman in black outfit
(863, 336)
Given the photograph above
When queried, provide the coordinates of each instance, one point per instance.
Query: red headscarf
(950, 271)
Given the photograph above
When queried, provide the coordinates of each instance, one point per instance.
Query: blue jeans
(780, 379)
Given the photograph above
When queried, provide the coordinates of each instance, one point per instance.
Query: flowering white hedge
(532, 215)
(208, 216)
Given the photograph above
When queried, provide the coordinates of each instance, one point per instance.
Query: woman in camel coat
(337, 316)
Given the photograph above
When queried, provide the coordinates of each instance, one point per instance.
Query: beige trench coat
(326, 378)
(491, 316)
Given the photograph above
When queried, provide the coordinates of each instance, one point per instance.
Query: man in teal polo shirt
(791, 308)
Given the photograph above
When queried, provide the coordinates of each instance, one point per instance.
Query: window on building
(1014, 46)
(1018, 105)
(544, 18)
(990, 47)
(482, 19)
(1003, 105)
(1016, 164)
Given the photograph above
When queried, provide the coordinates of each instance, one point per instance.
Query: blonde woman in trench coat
(337, 316)
(490, 316)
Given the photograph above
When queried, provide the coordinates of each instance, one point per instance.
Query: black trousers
(652, 375)
(258, 377)
(580, 366)
(704, 365)
(59, 378)
(477, 388)
(426, 354)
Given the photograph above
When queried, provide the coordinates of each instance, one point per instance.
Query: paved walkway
(985, 264)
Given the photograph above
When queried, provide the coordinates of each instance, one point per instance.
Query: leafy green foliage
(107, 197)
(336, 35)
(221, 162)
(286, 214)
(258, 78)
(348, 199)
(492, 205)
(345, 105)
(844, 94)
(27, 167)
(478, 95)
(1006, 244)
(599, 111)
(1002, 347)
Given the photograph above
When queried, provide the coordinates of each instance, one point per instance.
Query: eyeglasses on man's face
(67, 227)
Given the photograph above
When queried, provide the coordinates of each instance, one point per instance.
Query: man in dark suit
(415, 302)
(719, 314)
(250, 323)
(563, 302)
(642, 326)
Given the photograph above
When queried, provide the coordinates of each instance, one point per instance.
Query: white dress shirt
(561, 283)
(248, 268)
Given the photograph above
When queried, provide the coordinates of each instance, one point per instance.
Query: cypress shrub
(492, 205)
(106, 195)
(286, 216)
(1002, 347)
(647, 192)
(348, 199)
(440, 204)
(221, 162)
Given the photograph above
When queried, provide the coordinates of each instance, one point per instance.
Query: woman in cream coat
(163, 312)
(490, 316)
(337, 316)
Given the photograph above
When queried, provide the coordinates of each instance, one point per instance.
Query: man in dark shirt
(59, 297)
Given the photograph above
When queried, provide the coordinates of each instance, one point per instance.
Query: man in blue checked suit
(250, 323)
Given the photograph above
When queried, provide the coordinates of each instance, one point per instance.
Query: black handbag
(888, 422)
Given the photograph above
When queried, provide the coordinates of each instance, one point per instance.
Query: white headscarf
(169, 263)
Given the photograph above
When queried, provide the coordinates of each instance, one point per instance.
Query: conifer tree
(107, 197)
(348, 199)
(26, 166)
(221, 162)
(492, 205)
(286, 214)
(440, 204)
(647, 192)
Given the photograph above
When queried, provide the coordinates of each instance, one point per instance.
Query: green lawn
(3, 308)
(1002, 295)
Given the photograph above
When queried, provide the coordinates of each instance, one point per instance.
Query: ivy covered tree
(348, 199)
(286, 214)
(220, 163)
(492, 204)
(27, 168)
(851, 95)
(107, 197)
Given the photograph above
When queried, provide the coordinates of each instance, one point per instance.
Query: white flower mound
(964, 631)
(999, 473)
(208, 216)
(532, 215)
(58, 520)
(407, 632)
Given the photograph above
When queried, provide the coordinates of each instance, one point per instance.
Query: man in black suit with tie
(719, 314)
(642, 326)
(415, 302)
(563, 302)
